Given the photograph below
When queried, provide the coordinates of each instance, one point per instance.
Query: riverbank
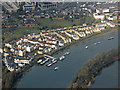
(86, 75)
(60, 49)
(94, 35)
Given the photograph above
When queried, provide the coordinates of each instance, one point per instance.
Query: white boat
(56, 68)
(110, 38)
(62, 57)
(47, 59)
(99, 42)
(42, 62)
(49, 64)
(95, 43)
(39, 61)
(86, 47)
(67, 53)
(53, 60)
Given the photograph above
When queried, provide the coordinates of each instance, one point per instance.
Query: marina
(52, 60)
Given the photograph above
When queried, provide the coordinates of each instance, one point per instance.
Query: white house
(61, 44)
(106, 10)
(22, 52)
(18, 41)
(82, 34)
(54, 42)
(96, 30)
(10, 68)
(28, 49)
(1, 50)
(41, 43)
(111, 18)
(40, 52)
(111, 24)
(8, 45)
(99, 16)
(24, 39)
(25, 61)
(12, 50)
(40, 47)
(88, 32)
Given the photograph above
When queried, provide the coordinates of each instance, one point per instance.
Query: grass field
(18, 32)
(44, 24)
(54, 23)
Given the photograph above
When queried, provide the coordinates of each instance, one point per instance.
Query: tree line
(93, 67)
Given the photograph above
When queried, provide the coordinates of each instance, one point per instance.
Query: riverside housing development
(22, 51)
(18, 52)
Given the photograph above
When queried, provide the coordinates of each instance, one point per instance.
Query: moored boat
(56, 68)
(95, 43)
(67, 53)
(49, 64)
(43, 62)
(86, 47)
(39, 61)
(110, 38)
(99, 42)
(54, 61)
(61, 58)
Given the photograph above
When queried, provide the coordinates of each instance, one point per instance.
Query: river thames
(46, 77)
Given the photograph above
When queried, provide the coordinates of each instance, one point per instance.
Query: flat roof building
(47, 5)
